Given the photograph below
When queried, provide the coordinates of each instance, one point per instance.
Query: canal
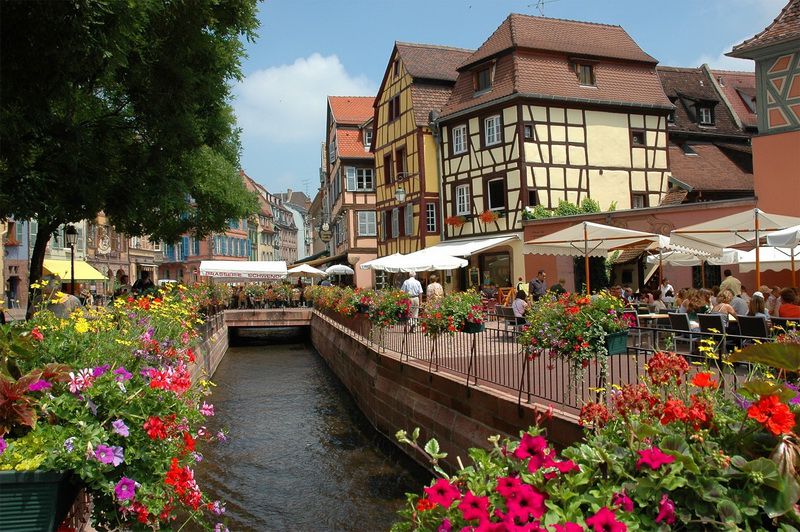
(300, 455)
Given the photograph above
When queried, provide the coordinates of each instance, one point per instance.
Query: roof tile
(710, 169)
(428, 61)
(427, 98)
(740, 90)
(351, 109)
(785, 27)
(350, 143)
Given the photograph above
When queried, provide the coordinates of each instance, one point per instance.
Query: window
(157, 246)
(196, 246)
(409, 222)
(396, 68)
(400, 164)
(638, 138)
(395, 223)
(638, 200)
(462, 200)
(585, 74)
(497, 194)
(483, 79)
(671, 117)
(460, 139)
(365, 179)
(529, 132)
(394, 108)
(492, 132)
(332, 150)
(706, 115)
(430, 217)
(367, 139)
(366, 223)
(136, 242)
(387, 168)
(533, 198)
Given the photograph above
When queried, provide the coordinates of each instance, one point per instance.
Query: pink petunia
(474, 507)
(39, 386)
(666, 510)
(653, 458)
(526, 502)
(125, 489)
(568, 527)
(207, 409)
(605, 521)
(530, 446)
(622, 501)
(442, 493)
(506, 485)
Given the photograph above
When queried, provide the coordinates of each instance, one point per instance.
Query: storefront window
(496, 269)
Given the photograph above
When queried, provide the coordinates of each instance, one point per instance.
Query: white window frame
(489, 195)
(430, 217)
(365, 179)
(367, 139)
(460, 139)
(366, 223)
(493, 133)
(462, 200)
(136, 242)
(706, 120)
(409, 219)
(395, 222)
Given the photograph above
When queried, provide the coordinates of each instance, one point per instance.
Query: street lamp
(400, 194)
(71, 236)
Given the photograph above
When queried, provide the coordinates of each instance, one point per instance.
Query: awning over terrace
(426, 260)
(243, 270)
(467, 247)
(63, 269)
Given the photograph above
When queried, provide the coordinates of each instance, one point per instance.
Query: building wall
(16, 259)
(778, 78)
(776, 166)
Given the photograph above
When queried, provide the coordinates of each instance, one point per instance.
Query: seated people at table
(789, 307)
(658, 305)
(489, 290)
(745, 294)
(520, 306)
(774, 301)
(723, 305)
(694, 304)
(680, 298)
(758, 307)
(739, 304)
(714, 293)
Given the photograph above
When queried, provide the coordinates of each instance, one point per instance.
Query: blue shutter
(184, 248)
(196, 246)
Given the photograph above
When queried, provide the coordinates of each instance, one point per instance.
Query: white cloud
(723, 62)
(286, 104)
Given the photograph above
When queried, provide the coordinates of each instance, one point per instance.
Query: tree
(121, 107)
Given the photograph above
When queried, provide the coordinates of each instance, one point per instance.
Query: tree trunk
(37, 259)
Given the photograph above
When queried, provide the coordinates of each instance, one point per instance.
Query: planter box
(472, 328)
(34, 500)
(617, 343)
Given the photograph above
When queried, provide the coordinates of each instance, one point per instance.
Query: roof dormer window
(705, 114)
(483, 79)
(585, 74)
(367, 139)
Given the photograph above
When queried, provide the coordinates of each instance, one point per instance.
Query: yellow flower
(81, 326)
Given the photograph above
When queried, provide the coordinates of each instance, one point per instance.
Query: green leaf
(777, 355)
(728, 511)
(415, 434)
(432, 447)
(762, 388)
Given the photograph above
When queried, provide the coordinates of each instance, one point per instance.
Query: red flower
(525, 502)
(442, 493)
(704, 380)
(773, 414)
(622, 501)
(664, 367)
(155, 428)
(653, 458)
(666, 510)
(423, 505)
(507, 485)
(188, 443)
(674, 410)
(568, 527)
(700, 414)
(36, 334)
(530, 446)
(474, 507)
(605, 521)
(595, 414)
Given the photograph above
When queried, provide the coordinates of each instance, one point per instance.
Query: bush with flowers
(107, 394)
(672, 452)
(452, 312)
(389, 307)
(364, 298)
(572, 327)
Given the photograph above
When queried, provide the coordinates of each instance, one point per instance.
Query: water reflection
(301, 456)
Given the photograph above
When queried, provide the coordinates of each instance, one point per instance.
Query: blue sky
(308, 49)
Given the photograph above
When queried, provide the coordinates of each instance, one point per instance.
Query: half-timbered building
(350, 183)
(548, 110)
(418, 80)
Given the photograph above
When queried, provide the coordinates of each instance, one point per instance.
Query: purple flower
(221, 437)
(68, 445)
(39, 385)
(122, 374)
(104, 454)
(93, 407)
(197, 457)
(207, 409)
(219, 527)
(99, 370)
(217, 507)
(125, 489)
(3, 445)
(743, 403)
(120, 428)
(119, 455)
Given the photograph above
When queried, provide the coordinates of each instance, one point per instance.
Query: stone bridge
(273, 317)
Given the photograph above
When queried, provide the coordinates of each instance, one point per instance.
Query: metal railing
(211, 324)
(494, 358)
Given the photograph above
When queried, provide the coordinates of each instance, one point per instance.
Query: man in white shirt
(666, 289)
(413, 288)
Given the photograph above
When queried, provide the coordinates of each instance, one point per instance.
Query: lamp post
(71, 236)
(400, 194)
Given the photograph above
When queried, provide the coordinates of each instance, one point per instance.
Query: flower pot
(617, 343)
(362, 308)
(34, 500)
(472, 328)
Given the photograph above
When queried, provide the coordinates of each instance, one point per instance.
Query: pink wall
(776, 160)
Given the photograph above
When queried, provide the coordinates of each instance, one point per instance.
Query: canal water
(300, 456)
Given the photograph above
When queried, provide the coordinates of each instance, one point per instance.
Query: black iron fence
(494, 358)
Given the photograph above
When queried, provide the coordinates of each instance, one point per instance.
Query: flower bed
(118, 408)
(673, 452)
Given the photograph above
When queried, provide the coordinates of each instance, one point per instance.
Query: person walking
(521, 284)
(435, 292)
(731, 283)
(520, 306)
(538, 287)
(413, 288)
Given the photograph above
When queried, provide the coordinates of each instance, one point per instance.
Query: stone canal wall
(210, 352)
(397, 395)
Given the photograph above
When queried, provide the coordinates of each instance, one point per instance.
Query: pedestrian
(520, 306)
(435, 292)
(538, 287)
(143, 284)
(413, 288)
(521, 284)
(558, 288)
(731, 283)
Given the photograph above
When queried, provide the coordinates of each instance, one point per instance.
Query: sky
(309, 49)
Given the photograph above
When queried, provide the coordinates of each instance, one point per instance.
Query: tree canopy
(122, 107)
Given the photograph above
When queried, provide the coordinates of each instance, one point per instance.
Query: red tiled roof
(785, 27)
(552, 77)
(351, 109)
(674, 196)
(558, 35)
(710, 169)
(350, 144)
(427, 98)
(252, 186)
(740, 90)
(687, 86)
(428, 61)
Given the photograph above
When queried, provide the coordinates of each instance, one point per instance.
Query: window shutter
(196, 246)
(184, 247)
(409, 219)
(350, 172)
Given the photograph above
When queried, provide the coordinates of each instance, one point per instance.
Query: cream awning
(468, 246)
(63, 269)
(243, 270)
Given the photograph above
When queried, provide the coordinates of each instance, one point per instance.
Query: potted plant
(488, 216)
(455, 221)
(364, 299)
(389, 307)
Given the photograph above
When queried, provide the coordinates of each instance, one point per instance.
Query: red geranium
(704, 380)
(664, 367)
(423, 505)
(653, 458)
(155, 428)
(773, 414)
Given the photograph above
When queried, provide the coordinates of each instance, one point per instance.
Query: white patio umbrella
(424, 261)
(787, 238)
(685, 258)
(339, 269)
(378, 264)
(743, 229)
(589, 239)
(304, 270)
(770, 258)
